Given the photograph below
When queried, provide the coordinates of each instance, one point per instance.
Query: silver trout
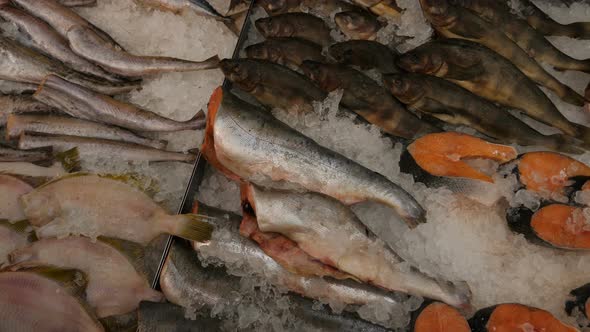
(251, 144)
(85, 104)
(60, 125)
(457, 22)
(10, 104)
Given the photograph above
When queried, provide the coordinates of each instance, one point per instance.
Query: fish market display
(323, 7)
(11, 189)
(12, 237)
(358, 25)
(299, 25)
(12, 104)
(166, 317)
(506, 317)
(39, 156)
(177, 6)
(289, 52)
(439, 317)
(365, 54)
(548, 26)
(577, 303)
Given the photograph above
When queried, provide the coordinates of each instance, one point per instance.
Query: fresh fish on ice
(199, 6)
(298, 25)
(548, 26)
(366, 54)
(59, 125)
(168, 317)
(11, 190)
(94, 205)
(16, 88)
(323, 7)
(78, 3)
(577, 303)
(115, 285)
(82, 103)
(356, 24)
(12, 237)
(251, 144)
(290, 52)
(42, 156)
(10, 104)
(438, 317)
(385, 8)
(512, 316)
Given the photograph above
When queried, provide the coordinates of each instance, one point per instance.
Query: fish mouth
(445, 155)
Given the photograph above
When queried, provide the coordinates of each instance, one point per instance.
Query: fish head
(403, 88)
(267, 26)
(273, 7)
(239, 72)
(263, 51)
(320, 73)
(438, 12)
(420, 62)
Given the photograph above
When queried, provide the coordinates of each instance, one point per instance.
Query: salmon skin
(456, 22)
(511, 317)
(548, 26)
(438, 317)
(577, 303)
(253, 145)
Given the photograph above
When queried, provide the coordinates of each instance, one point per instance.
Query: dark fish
(273, 85)
(300, 25)
(13, 104)
(438, 317)
(548, 26)
(323, 7)
(358, 24)
(368, 99)
(577, 304)
(289, 52)
(365, 54)
(506, 317)
(457, 22)
(529, 39)
(452, 104)
(177, 6)
(167, 317)
(487, 74)
(385, 8)
(78, 3)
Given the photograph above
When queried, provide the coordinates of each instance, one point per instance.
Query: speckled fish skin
(59, 125)
(452, 104)
(183, 275)
(96, 147)
(548, 26)
(368, 99)
(62, 18)
(114, 287)
(358, 24)
(199, 6)
(254, 145)
(365, 54)
(289, 52)
(230, 247)
(529, 39)
(300, 25)
(16, 88)
(10, 104)
(320, 225)
(273, 85)
(30, 302)
(86, 104)
(42, 156)
(86, 43)
(456, 22)
(42, 37)
(489, 75)
(11, 189)
(20, 64)
(78, 3)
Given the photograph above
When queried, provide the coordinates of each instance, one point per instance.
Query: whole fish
(253, 145)
(21, 64)
(122, 211)
(230, 248)
(201, 7)
(529, 39)
(32, 171)
(299, 25)
(30, 164)
(43, 156)
(385, 8)
(365, 54)
(115, 286)
(548, 26)
(87, 43)
(78, 3)
(320, 225)
(290, 52)
(59, 125)
(324, 8)
(368, 99)
(489, 75)
(10, 104)
(85, 104)
(16, 88)
(12, 237)
(43, 38)
(273, 85)
(11, 189)
(62, 18)
(96, 147)
(167, 317)
(31, 302)
(358, 25)
(457, 22)
(453, 104)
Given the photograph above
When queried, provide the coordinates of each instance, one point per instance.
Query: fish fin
(193, 227)
(134, 252)
(69, 159)
(75, 281)
(63, 177)
(572, 97)
(144, 183)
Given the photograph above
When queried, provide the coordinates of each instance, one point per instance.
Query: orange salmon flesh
(549, 172)
(440, 317)
(518, 318)
(442, 154)
(562, 226)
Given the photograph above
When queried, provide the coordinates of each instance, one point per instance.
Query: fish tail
(579, 30)
(197, 122)
(459, 295)
(192, 227)
(571, 97)
(69, 159)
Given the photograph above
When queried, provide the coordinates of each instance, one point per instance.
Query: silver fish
(39, 156)
(95, 147)
(86, 43)
(114, 287)
(229, 247)
(252, 144)
(11, 189)
(43, 38)
(85, 104)
(59, 125)
(167, 317)
(16, 88)
(201, 7)
(78, 3)
(10, 104)
(321, 225)
(21, 64)
(54, 308)
(62, 18)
